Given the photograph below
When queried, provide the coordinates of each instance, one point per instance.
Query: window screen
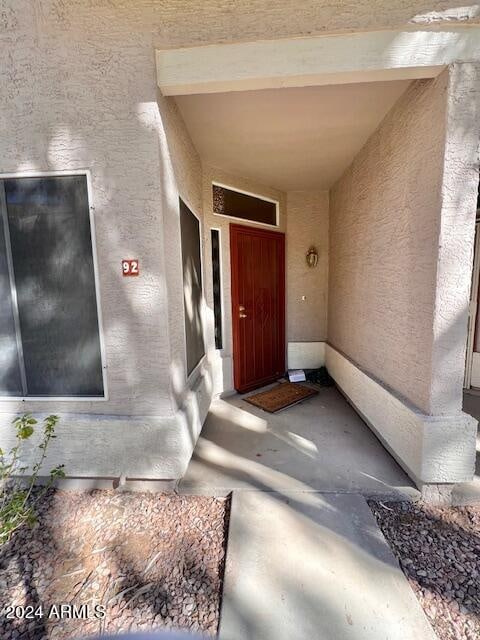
(217, 288)
(227, 202)
(192, 286)
(47, 232)
(10, 376)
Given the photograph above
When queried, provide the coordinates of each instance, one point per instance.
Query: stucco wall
(456, 237)
(223, 367)
(307, 225)
(181, 176)
(383, 244)
(79, 92)
(75, 102)
(405, 204)
(205, 21)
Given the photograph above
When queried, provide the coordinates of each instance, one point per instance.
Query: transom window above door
(49, 331)
(241, 205)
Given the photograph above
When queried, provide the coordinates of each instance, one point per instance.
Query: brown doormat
(280, 397)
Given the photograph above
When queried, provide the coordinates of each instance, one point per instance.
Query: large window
(192, 286)
(49, 332)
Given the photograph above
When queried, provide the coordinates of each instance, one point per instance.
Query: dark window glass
(10, 377)
(49, 228)
(239, 205)
(192, 286)
(217, 288)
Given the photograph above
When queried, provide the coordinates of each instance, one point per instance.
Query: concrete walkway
(306, 566)
(320, 445)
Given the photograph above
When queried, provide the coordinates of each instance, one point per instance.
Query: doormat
(280, 397)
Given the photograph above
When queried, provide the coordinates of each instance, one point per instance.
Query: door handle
(241, 311)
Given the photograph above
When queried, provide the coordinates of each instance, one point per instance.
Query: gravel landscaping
(152, 560)
(439, 552)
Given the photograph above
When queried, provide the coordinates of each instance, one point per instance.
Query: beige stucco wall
(79, 92)
(206, 21)
(387, 235)
(307, 225)
(223, 368)
(456, 237)
(401, 249)
(96, 110)
(181, 176)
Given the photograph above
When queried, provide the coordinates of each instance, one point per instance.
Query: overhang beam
(320, 60)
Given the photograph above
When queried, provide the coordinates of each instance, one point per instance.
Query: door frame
(472, 309)
(255, 231)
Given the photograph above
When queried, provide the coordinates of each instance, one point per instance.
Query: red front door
(258, 306)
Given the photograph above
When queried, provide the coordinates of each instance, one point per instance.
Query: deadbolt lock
(241, 311)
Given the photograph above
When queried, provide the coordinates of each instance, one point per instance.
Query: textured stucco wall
(401, 248)
(181, 175)
(223, 369)
(307, 225)
(205, 21)
(401, 242)
(433, 449)
(456, 237)
(384, 226)
(79, 92)
(73, 101)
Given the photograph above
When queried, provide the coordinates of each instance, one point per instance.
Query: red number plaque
(130, 268)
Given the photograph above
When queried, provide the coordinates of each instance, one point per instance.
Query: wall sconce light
(312, 257)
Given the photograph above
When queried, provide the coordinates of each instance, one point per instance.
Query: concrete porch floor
(320, 444)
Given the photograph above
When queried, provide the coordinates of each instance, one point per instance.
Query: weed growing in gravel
(17, 502)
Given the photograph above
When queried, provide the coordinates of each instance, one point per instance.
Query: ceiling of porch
(293, 138)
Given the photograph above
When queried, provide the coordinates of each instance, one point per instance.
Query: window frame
(91, 209)
(253, 195)
(195, 371)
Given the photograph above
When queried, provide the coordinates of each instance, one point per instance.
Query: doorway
(258, 306)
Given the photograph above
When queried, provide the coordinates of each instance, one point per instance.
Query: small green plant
(17, 498)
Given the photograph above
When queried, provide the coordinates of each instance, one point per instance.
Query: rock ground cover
(439, 552)
(152, 560)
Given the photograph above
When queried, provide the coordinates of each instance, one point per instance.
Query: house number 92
(130, 268)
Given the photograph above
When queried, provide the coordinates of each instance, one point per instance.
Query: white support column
(456, 238)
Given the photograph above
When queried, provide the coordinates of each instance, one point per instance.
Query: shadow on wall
(134, 324)
(181, 176)
(125, 322)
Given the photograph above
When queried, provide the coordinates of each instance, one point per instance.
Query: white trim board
(318, 60)
(431, 449)
(475, 371)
